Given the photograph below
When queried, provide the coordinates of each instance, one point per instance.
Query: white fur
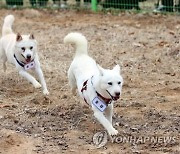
(9, 45)
(83, 68)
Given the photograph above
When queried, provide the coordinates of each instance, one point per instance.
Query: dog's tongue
(28, 60)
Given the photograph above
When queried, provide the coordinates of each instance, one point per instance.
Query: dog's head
(26, 47)
(111, 82)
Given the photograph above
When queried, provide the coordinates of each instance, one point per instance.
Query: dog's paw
(45, 92)
(37, 85)
(113, 132)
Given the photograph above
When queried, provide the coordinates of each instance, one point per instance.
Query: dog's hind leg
(4, 63)
(3, 57)
(72, 81)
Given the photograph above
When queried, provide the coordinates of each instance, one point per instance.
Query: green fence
(95, 5)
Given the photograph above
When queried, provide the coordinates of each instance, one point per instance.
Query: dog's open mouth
(114, 98)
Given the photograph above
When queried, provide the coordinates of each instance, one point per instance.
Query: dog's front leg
(109, 112)
(42, 80)
(105, 122)
(30, 78)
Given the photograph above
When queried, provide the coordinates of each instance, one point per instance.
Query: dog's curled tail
(79, 40)
(7, 26)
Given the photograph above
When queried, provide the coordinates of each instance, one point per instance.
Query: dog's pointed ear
(31, 37)
(101, 70)
(117, 69)
(18, 37)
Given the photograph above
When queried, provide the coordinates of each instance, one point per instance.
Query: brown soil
(146, 47)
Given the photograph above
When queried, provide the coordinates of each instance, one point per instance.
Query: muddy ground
(147, 48)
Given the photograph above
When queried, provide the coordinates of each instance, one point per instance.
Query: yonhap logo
(100, 139)
(144, 139)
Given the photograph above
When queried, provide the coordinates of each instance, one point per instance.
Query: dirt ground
(147, 48)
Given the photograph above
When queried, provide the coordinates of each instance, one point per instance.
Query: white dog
(97, 86)
(21, 50)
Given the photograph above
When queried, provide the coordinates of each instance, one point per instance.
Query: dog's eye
(31, 48)
(110, 83)
(23, 48)
(119, 82)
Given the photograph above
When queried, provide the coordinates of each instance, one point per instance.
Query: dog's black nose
(117, 93)
(28, 56)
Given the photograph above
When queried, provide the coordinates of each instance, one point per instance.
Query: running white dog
(21, 50)
(97, 86)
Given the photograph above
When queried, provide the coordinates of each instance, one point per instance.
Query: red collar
(84, 87)
(106, 100)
